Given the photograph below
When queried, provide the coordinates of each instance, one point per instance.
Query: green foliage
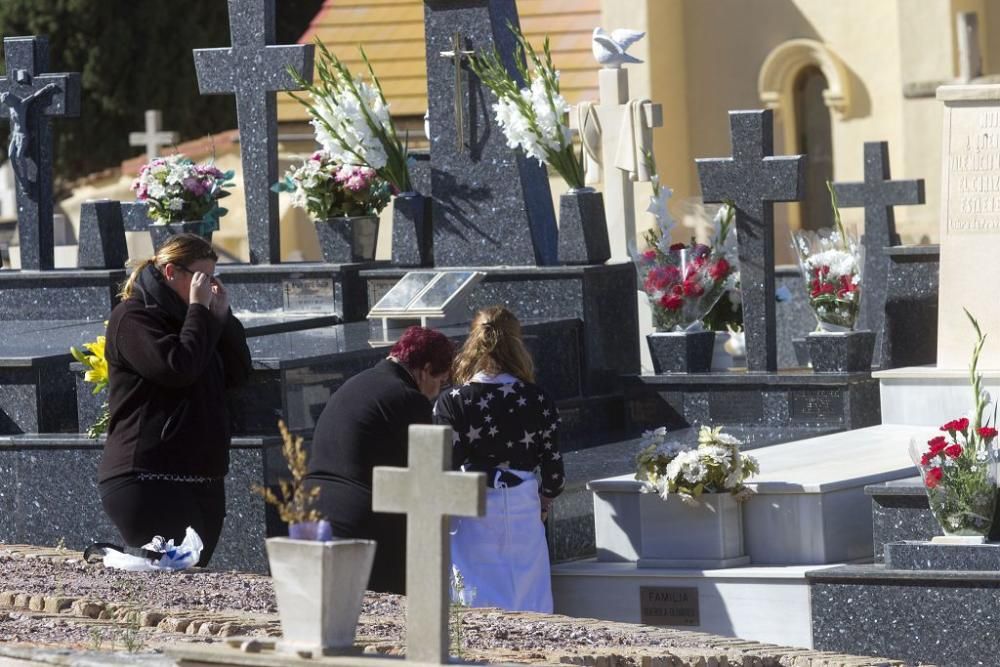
(132, 56)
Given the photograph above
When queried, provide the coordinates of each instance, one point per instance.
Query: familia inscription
(970, 222)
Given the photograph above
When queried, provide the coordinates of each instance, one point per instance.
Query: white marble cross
(428, 492)
(154, 137)
(617, 155)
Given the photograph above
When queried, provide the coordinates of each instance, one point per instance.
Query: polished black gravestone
(878, 194)
(253, 70)
(491, 204)
(102, 235)
(29, 98)
(911, 308)
(753, 179)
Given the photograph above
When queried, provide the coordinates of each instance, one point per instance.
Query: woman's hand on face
(220, 299)
(201, 289)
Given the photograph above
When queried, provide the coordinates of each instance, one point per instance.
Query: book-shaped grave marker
(420, 296)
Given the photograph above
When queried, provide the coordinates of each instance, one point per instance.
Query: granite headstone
(491, 204)
(29, 98)
(253, 70)
(877, 194)
(753, 179)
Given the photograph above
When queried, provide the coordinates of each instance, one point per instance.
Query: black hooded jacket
(169, 365)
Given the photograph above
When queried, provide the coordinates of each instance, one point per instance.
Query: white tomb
(809, 511)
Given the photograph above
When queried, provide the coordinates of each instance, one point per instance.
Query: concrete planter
(681, 351)
(347, 240)
(653, 532)
(319, 587)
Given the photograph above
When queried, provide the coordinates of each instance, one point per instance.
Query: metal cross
(153, 138)
(458, 53)
(428, 495)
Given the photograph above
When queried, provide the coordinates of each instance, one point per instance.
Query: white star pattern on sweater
(521, 402)
(473, 434)
(528, 438)
(456, 392)
(507, 389)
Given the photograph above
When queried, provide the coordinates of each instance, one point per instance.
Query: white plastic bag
(179, 557)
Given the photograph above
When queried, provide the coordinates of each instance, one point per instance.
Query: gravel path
(210, 603)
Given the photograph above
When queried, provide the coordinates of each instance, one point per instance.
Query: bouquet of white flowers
(714, 466)
(176, 189)
(532, 118)
(352, 121)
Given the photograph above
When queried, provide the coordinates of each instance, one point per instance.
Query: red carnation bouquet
(684, 280)
(959, 468)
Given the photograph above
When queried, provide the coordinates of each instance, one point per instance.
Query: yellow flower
(94, 362)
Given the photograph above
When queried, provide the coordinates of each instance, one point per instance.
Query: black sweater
(169, 365)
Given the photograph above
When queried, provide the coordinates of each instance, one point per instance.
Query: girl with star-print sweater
(507, 427)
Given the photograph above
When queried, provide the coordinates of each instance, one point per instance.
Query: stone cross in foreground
(753, 179)
(253, 70)
(29, 99)
(877, 194)
(428, 493)
(154, 137)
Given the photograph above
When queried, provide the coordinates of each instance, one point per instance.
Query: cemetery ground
(57, 609)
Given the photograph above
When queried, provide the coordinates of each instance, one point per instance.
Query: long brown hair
(494, 346)
(180, 249)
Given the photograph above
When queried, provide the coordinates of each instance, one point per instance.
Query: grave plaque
(820, 405)
(970, 222)
(660, 605)
(739, 407)
(309, 294)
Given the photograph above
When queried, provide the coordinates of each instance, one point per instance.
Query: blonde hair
(182, 249)
(494, 346)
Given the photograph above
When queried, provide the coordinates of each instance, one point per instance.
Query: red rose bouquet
(830, 260)
(684, 280)
(959, 468)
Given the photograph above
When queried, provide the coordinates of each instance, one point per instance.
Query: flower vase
(319, 587)
(841, 352)
(706, 533)
(348, 239)
(412, 230)
(583, 228)
(159, 233)
(965, 510)
(681, 351)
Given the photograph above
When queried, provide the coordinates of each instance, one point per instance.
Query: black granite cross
(753, 179)
(254, 70)
(877, 194)
(29, 98)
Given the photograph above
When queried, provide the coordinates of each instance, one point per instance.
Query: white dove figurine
(609, 50)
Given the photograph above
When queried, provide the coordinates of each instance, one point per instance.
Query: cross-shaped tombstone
(753, 179)
(29, 99)
(254, 71)
(877, 194)
(428, 492)
(154, 137)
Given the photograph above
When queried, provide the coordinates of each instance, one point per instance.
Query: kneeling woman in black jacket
(173, 347)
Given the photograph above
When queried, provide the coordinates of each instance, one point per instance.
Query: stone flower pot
(583, 228)
(348, 240)
(159, 233)
(706, 534)
(412, 230)
(681, 351)
(841, 352)
(319, 587)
